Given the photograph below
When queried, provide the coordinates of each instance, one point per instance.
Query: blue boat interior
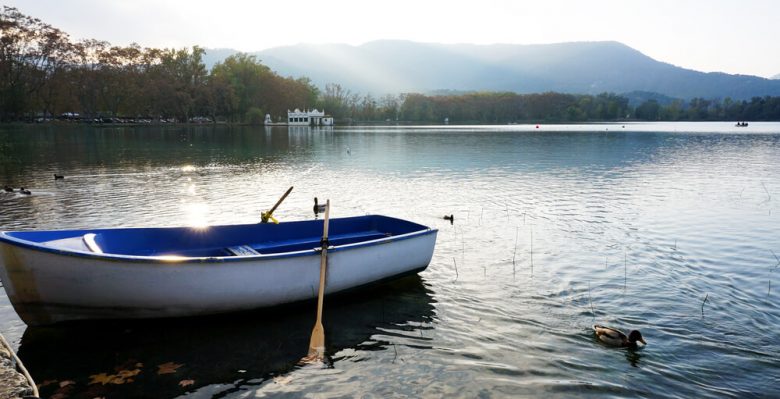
(220, 241)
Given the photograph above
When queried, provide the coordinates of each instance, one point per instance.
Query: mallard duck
(58, 177)
(8, 189)
(613, 337)
(317, 207)
(24, 191)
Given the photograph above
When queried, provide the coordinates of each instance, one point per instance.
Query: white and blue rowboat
(127, 273)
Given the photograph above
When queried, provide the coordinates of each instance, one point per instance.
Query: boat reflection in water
(166, 358)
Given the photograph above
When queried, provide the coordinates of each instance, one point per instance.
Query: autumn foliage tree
(43, 74)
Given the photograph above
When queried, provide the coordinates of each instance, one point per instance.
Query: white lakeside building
(306, 118)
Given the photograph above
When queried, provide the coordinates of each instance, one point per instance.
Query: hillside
(584, 67)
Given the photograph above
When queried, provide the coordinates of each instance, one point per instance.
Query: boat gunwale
(177, 260)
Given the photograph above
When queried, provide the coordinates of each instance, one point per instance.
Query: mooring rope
(20, 366)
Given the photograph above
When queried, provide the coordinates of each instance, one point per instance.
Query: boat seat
(85, 243)
(89, 241)
(242, 250)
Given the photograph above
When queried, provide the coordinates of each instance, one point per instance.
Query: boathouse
(308, 118)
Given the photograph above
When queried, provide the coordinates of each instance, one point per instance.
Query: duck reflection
(166, 358)
(633, 356)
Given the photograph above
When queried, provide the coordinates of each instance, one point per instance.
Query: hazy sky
(734, 36)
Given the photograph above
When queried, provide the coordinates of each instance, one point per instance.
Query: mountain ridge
(398, 66)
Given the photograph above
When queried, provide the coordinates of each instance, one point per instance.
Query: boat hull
(51, 286)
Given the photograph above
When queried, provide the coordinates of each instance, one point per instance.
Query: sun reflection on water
(196, 214)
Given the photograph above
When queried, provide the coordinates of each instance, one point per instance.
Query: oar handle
(327, 218)
(264, 216)
(280, 200)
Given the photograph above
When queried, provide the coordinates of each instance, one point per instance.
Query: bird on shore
(8, 189)
(58, 177)
(614, 337)
(451, 218)
(24, 191)
(317, 207)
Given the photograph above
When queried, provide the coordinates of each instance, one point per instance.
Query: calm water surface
(556, 229)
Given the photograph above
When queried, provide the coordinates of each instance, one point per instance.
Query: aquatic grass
(514, 254)
(532, 250)
(702, 304)
(625, 269)
(592, 312)
(456, 268)
(768, 196)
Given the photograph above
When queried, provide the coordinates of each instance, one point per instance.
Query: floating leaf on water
(121, 377)
(128, 373)
(168, 368)
(63, 384)
(101, 378)
(186, 383)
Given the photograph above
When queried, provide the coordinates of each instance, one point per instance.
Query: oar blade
(317, 343)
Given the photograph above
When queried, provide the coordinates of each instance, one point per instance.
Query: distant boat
(129, 273)
(741, 124)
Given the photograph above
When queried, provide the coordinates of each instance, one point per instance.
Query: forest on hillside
(45, 74)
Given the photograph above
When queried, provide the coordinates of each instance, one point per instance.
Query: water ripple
(554, 231)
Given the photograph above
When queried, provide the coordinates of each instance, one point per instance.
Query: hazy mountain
(776, 76)
(390, 66)
(636, 98)
(214, 55)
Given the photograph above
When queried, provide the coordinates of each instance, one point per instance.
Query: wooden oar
(317, 342)
(269, 215)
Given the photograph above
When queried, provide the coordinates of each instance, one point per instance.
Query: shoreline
(15, 381)
(61, 124)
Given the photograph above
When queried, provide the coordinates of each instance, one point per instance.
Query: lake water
(556, 228)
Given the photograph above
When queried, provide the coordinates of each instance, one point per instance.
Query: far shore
(71, 124)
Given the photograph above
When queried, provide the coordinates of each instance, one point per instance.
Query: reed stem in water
(456, 268)
(592, 312)
(514, 254)
(625, 269)
(532, 249)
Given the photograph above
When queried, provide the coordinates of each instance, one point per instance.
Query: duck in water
(615, 337)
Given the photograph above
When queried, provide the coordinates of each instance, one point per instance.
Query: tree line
(492, 107)
(44, 73)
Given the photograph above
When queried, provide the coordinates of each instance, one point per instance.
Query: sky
(732, 36)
